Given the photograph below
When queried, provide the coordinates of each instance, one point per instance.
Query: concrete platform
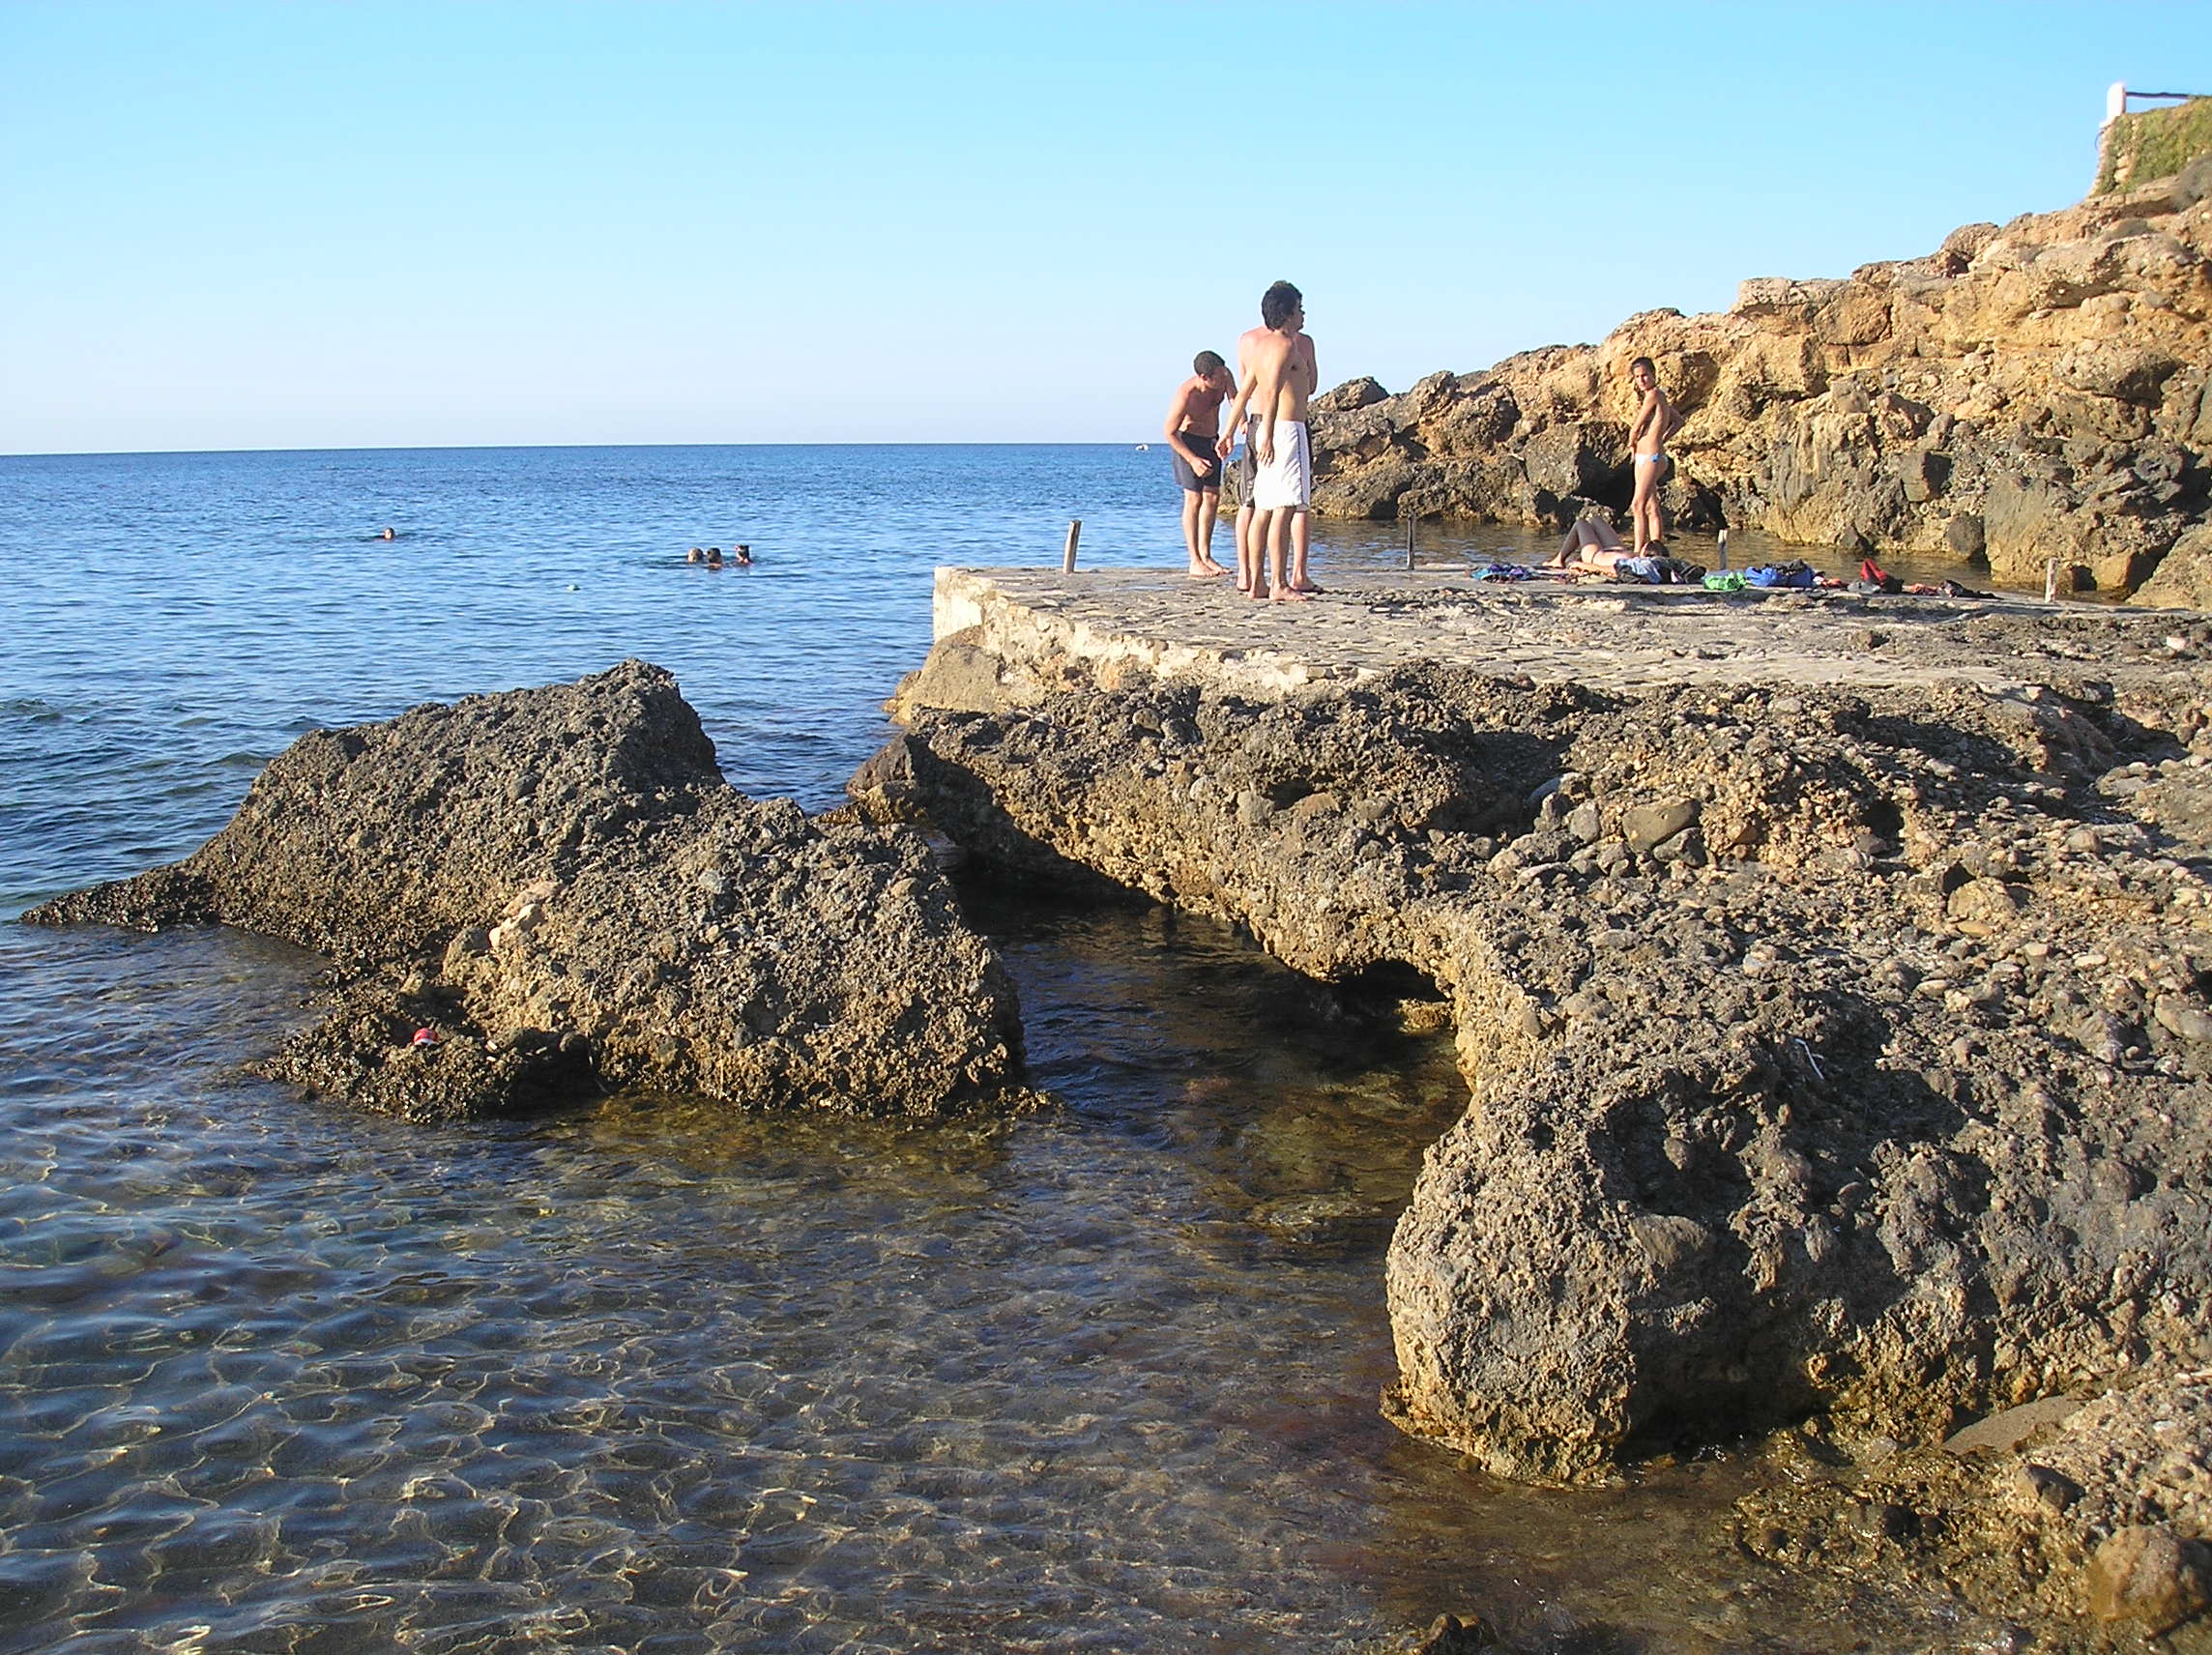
(1114, 622)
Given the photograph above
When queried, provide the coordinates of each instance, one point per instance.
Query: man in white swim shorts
(1282, 380)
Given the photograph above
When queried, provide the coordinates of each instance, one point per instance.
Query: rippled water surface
(279, 1376)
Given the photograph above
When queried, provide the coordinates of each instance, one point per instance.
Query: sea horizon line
(530, 448)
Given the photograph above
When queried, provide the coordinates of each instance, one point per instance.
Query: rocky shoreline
(1829, 976)
(2032, 392)
(1830, 981)
(560, 888)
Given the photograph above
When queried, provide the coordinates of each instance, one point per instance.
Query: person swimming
(695, 556)
(388, 533)
(743, 556)
(714, 557)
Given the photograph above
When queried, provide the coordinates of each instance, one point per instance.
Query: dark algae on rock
(559, 886)
(1836, 1053)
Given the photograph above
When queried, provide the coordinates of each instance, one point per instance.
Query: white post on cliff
(2115, 105)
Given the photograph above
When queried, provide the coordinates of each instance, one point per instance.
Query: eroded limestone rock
(1767, 1119)
(2097, 1509)
(2039, 391)
(559, 884)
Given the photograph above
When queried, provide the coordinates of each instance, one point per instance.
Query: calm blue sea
(174, 619)
(278, 1376)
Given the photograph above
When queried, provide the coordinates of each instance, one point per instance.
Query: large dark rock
(383, 839)
(1353, 394)
(560, 885)
(1579, 458)
(2184, 576)
(1829, 1052)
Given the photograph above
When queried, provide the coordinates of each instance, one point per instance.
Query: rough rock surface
(2040, 390)
(560, 883)
(1834, 1051)
(2100, 1515)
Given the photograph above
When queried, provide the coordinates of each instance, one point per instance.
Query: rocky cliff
(559, 885)
(2032, 390)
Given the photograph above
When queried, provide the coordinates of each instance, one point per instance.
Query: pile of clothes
(1659, 571)
(1796, 574)
(1874, 581)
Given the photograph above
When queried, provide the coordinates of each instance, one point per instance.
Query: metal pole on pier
(1074, 534)
(1412, 523)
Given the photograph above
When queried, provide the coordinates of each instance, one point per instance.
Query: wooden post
(2051, 580)
(1074, 534)
(1412, 523)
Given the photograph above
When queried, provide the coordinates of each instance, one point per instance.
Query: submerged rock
(559, 886)
(2149, 1574)
(2093, 1509)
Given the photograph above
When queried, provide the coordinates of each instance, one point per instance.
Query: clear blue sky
(327, 225)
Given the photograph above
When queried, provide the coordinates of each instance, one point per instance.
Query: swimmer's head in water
(695, 556)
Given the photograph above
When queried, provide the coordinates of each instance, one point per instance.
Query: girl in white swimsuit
(1655, 422)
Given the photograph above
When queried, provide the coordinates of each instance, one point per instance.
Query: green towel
(1726, 581)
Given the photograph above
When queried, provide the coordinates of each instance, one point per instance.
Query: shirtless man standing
(1283, 376)
(1655, 422)
(1249, 557)
(1193, 431)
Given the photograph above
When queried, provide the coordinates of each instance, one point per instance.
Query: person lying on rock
(1590, 547)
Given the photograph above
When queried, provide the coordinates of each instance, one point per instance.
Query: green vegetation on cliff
(2153, 144)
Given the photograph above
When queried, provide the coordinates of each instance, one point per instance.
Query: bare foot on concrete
(1291, 594)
